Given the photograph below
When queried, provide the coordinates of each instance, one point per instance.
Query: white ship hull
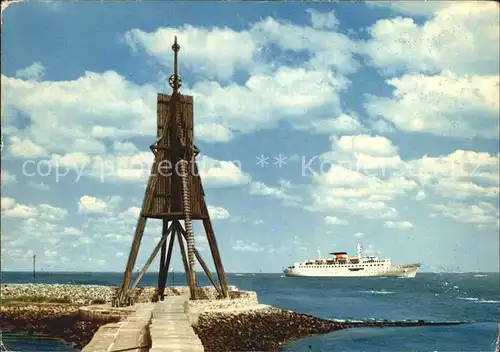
(347, 270)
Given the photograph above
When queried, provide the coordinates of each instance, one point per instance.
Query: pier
(155, 327)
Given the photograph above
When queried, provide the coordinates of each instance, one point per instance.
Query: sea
(440, 297)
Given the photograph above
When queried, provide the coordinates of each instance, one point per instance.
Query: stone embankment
(270, 328)
(257, 330)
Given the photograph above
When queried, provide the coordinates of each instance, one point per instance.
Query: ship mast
(319, 253)
(359, 251)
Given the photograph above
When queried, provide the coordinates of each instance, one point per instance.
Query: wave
(480, 275)
(478, 300)
(377, 292)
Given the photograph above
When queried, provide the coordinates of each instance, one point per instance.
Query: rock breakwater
(259, 330)
(270, 329)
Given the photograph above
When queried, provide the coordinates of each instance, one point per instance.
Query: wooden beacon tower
(174, 192)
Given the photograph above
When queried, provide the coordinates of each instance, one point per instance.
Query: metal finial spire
(175, 81)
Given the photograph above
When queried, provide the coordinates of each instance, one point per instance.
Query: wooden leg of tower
(139, 231)
(167, 265)
(203, 265)
(207, 272)
(187, 269)
(127, 277)
(161, 274)
(207, 224)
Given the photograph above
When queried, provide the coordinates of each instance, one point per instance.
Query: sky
(319, 124)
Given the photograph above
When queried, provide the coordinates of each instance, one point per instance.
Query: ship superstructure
(339, 264)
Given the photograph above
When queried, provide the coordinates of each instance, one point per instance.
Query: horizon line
(236, 272)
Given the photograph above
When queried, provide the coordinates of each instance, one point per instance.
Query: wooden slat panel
(162, 205)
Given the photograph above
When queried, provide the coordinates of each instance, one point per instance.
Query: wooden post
(167, 265)
(204, 266)
(139, 231)
(34, 268)
(192, 288)
(161, 273)
(216, 256)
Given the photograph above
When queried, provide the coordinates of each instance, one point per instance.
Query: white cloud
(25, 148)
(368, 208)
(421, 195)
(343, 123)
(49, 212)
(94, 105)
(35, 71)
(125, 148)
(216, 52)
(365, 144)
(293, 94)
(8, 178)
(8, 203)
(218, 213)
(328, 49)
(460, 174)
(359, 234)
(212, 132)
(121, 168)
(333, 220)
(454, 188)
(362, 174)
(217, 173)
(71, 160)
(282, 193)
(20, 211)
(449, 64)
(445, 104)
(462, 37)
(482, 213)
(93, 205)
(400, 225)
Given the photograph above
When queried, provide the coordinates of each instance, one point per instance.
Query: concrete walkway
(132, 334)
(163, 326)
(170, 329)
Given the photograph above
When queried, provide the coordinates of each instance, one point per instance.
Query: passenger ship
(340, 265)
